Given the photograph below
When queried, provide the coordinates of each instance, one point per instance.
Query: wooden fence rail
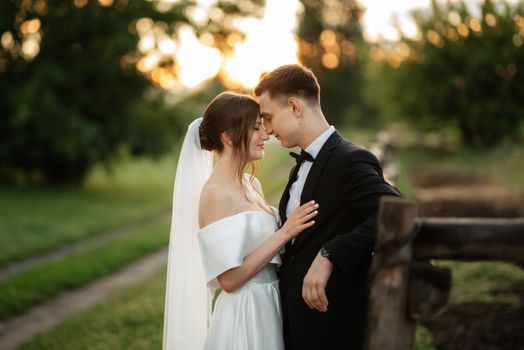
(405, 286)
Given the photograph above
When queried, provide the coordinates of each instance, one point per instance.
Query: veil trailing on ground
(188, 301)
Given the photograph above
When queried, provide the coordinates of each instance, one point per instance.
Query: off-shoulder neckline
(237, 214)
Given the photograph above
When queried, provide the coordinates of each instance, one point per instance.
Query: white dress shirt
(296, 189)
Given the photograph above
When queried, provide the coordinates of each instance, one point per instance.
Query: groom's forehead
(270, 103)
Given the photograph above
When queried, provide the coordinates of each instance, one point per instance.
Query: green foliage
(77, 98)
(331, 44)
(71, 105)
(465, 71)
(19, 293)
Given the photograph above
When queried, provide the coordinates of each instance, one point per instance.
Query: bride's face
(258, 139)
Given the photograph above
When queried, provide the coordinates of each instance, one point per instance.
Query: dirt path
(18, 267)
(20, 329)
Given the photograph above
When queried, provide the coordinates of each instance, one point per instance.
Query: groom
(323, 277)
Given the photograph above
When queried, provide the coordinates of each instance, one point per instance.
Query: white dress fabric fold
(249, 318)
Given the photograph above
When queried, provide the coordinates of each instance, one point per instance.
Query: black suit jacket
(347, 182)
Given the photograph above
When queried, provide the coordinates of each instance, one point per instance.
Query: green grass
(37, 220)
(19, 293)
(131, 319)
(503, 165)
(486, 282)
(423, 338)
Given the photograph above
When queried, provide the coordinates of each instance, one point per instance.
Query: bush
(466, 70)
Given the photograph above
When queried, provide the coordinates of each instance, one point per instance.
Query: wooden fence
(405, 286)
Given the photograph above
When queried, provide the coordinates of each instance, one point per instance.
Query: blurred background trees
(84, 81)
(73, 88)
(331, 43)
(464, 71)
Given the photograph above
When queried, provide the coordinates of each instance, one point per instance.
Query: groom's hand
(314, 287)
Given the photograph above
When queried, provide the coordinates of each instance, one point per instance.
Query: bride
(224, 235)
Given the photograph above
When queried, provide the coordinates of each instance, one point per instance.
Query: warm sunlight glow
(257, 55)
(146, 43)
(30, 27)
(30, 48)
(167, 46)
(144, 25)
(7, 40)
(379, 23)
(197, 62)
(330, 60)
(475, 25)
(80, 3)
(269, 43)
(105, 3)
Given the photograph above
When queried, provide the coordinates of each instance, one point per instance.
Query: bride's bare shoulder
(216, 203)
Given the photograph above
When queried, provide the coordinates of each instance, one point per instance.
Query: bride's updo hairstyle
(236, 115)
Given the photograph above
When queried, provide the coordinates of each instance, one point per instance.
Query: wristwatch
(324, 252)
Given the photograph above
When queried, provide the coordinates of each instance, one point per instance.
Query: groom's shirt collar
(315, 146)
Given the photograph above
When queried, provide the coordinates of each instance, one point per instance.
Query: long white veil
(188, 301)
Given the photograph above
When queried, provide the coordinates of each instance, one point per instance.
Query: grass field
(133, 318)
(42, 219)
(38, 220)
(23, 291)
(486, 282)
(503, 165)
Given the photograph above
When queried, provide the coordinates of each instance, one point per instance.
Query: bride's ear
(226, 138)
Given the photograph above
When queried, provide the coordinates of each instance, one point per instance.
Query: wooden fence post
(389, 326)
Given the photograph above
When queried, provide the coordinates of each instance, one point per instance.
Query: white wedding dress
(249, 318)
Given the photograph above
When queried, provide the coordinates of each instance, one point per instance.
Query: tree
(71, 95)
(465, 70)
(331, 44)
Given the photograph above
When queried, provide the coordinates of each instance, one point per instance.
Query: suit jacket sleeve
(365, 187)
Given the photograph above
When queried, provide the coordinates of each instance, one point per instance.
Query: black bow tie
(303, 156)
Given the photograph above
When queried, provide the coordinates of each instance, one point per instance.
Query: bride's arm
(298, 221)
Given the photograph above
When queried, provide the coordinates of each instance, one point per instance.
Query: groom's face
(279, 119)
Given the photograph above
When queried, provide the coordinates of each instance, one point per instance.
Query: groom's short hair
(288, 80)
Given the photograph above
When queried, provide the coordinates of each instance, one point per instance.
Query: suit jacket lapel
(311, 184)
